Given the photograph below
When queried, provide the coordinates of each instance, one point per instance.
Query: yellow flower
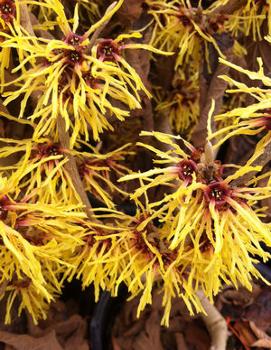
(120, 251)
(251, 119)
(75, 81)
(249, 19)
(179, 164)
(225, 232)
(40, 173)
(100, 171)
(180, 27)
(213, 225)
(24, 291)
(37, 241)
(145, 260)
(182, 104)
(98, 259)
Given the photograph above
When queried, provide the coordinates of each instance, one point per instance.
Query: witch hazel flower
(75, 78)
(36, 240)
(180, 27)
(249, 120)
(40, 171)
(207, 215)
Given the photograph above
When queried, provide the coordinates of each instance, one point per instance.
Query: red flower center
(74, 57)
(186, 169)
(7, 10)
(73, 39)
(108, 50)
(217, 192)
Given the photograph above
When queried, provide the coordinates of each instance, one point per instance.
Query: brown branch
(262, 160)
(230, 7)
(215, 324)
(215, 91)
(40, 32)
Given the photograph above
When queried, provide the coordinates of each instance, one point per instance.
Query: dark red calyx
(266, 122)
(3, 211)
(46, 150)
(91, 81)
(73, 39)
(21, 284)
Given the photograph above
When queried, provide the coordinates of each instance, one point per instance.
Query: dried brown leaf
(257, 331)
(150, 338)
(180, 342)
(241, 297)
(26, 342)
(71, 333)
(197, 337)
(260, 311)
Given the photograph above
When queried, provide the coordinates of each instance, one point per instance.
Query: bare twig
(99, 30)
(25, 19)
(215, 324)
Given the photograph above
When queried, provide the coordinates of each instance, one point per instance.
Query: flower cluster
(74, 80)
(47, 234)
(252, 119)
(181, 104)
(66, 80)
(212, 224)
(35, 240)
(196, 32)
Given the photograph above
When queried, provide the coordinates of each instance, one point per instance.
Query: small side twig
(25, 19)
(215, 324)
(71, 166)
